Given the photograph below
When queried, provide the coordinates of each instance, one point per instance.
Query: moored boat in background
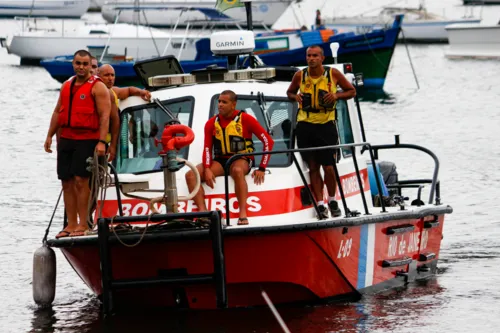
(369, 54)
(45, 8)
(419, 26)
(480, 41)
(167, 12)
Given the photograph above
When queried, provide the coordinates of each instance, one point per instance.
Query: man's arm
(267, 145)
(103, 104)
(262, 135)
(208, 142)
(124, 93)
(294, 87)
(208, 175)
(348, 89)
(54, 126)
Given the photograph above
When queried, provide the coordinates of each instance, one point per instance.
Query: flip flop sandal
(78, 233)
(63, 233)
(242, 221)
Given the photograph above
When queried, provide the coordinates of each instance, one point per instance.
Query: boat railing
(109, 284)
(435, 185)
(373, 152)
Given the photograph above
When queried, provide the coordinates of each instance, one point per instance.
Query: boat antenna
(248, 8)
(31, 9)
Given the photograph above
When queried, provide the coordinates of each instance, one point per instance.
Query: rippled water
(455, 113)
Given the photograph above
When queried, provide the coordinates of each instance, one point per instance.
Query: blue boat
(369, 54)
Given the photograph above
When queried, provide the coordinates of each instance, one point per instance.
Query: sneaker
(323, 212)
(334, 208)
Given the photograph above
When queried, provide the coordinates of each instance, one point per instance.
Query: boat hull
(45, 8)
(474, 41)
(424, 31)
(370, 54)
(322, 262)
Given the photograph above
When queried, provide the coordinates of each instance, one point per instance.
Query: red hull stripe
(263, 203)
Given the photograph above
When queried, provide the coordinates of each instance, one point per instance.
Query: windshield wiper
(261, 99)
(174, 119)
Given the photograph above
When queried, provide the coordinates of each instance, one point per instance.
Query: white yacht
(164, 15)
(481, 41)
(47, 8)
(419, 25)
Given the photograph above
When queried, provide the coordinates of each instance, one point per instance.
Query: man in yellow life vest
(228, 133)
(315, 89)
(107, 74)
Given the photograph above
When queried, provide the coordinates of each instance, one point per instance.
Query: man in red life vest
(315, 89)
(82, 116)
(228, 133)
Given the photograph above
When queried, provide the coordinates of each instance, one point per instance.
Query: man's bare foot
(242, 221)
(79, 231)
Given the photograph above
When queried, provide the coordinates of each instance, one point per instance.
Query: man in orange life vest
(82, 115)
(228, 133)
(316, 122)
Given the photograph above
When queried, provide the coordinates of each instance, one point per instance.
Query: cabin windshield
(140, 127)
(281, 113)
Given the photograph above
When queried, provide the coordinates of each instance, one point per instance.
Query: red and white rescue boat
(285, 250)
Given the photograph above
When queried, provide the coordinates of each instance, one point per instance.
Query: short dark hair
(83, 53)
(316, 47)
(231, 94)
(92, 58)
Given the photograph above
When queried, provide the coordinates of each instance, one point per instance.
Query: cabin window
(344, 126)
(141, 126)
(281, 113)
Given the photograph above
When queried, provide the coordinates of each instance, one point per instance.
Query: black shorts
(72, 157)
(222, 161)
(317, 135)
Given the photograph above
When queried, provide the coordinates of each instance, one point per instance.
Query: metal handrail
(287, 151)
(398, 145)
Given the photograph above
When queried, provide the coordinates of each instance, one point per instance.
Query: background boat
(369, 53)
(481, 2)
(474, 41)
(95, 6)
(420, 26)
(134, 40)
(47, 8)
(266, 12)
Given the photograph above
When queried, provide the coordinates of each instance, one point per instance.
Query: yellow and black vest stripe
(230, 140)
